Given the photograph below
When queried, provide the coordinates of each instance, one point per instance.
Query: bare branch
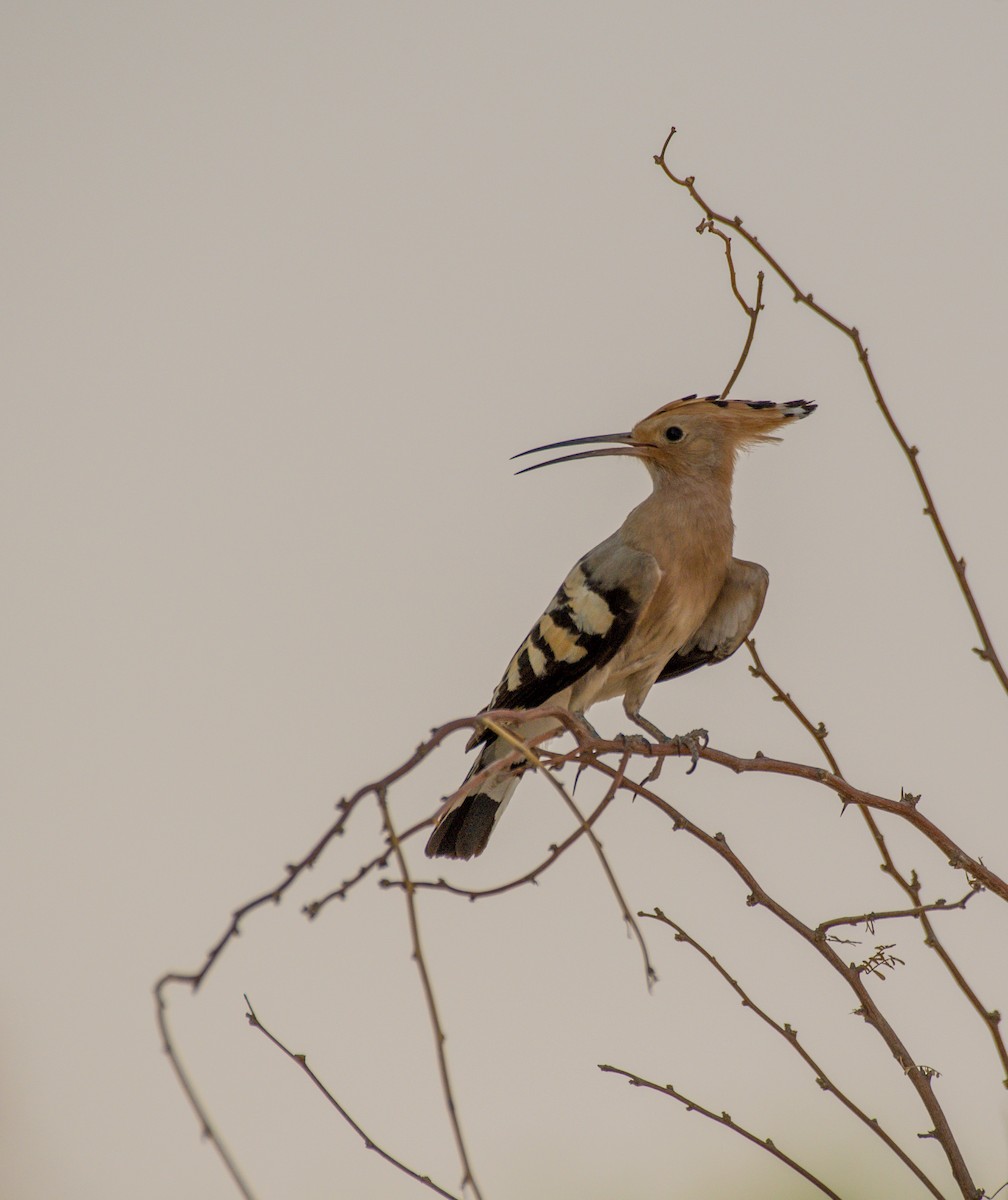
(818, 732)
(905, 809)
(869, 919)
(790, 1037)
(753, 318)
(710, 227)
(468, 1179)
(294, 870)
(585, 827)
(441, 885)
(986, 651)
(910, 887)
(369, 1143)
(725, 1120)
(206, 1128)
(589, 753)
(867, 1008)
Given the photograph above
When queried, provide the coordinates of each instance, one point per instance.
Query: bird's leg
(649, 726)
(578, 714)
(694, 741)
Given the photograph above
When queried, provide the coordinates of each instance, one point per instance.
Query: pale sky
(285, 288)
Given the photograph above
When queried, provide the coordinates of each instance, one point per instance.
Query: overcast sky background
(284, 288)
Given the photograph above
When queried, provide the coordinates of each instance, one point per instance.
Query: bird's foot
(694, 741)
(635, 743)
(659, 736)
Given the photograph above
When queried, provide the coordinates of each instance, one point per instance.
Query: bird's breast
(676, 610)
(690, 582)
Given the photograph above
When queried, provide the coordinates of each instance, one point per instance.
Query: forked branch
(717, 221)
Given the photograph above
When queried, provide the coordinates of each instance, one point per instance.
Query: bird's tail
(464, 827)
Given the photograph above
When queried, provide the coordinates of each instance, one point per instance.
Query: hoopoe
(658, 598)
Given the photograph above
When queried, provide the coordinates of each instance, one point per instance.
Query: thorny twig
(750, 334)
(722, 1119)
(584, 827)
(369, 1142)
(195, 1103)
(531, 876)
(314, 907)
(751, 311)
(710, 227)
(468, 1178)
(714, 221)
(904, 809)
(868, 919)
(911, 887)
(867, 1008)
(274, 895)
(589, 752)
(790, 1037)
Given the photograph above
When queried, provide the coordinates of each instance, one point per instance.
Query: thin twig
(202, 1116)
(589, 753)
(790, 1036)
(346, 808)
(869, 919)
(991, 1018)
(193, 980)
(532, 876)
(986, 650)
(818, 732)
(868, 1009)
(710, 227)
(468, 1179)
(751, 311)
(378, 862)
(725, 1120)
(369, 1142)
(650, 976)
(753, 318)
(513, 739)
(905, 808)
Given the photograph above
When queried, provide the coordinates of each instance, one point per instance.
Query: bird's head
(697, 434)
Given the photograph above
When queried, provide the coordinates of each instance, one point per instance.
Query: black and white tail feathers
(464, 829)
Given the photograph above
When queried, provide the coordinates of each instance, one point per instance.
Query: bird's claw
(695, 741)
(653, 774)
(635, 743)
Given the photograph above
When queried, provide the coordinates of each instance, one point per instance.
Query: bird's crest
(746, 420)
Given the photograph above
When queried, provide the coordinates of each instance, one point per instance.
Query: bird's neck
(682, 514)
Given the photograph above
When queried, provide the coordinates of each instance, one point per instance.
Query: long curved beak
(616, 443)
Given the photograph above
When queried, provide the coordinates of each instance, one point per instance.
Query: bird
(660, 597)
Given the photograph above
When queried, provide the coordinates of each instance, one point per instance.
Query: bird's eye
(673, 434)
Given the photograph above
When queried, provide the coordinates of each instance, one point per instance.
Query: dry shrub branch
(616, 763)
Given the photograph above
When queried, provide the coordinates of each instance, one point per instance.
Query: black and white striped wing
(730, 621)
(587, 621)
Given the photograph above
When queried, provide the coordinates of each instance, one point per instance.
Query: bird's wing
(585, 624)
(727, 625)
